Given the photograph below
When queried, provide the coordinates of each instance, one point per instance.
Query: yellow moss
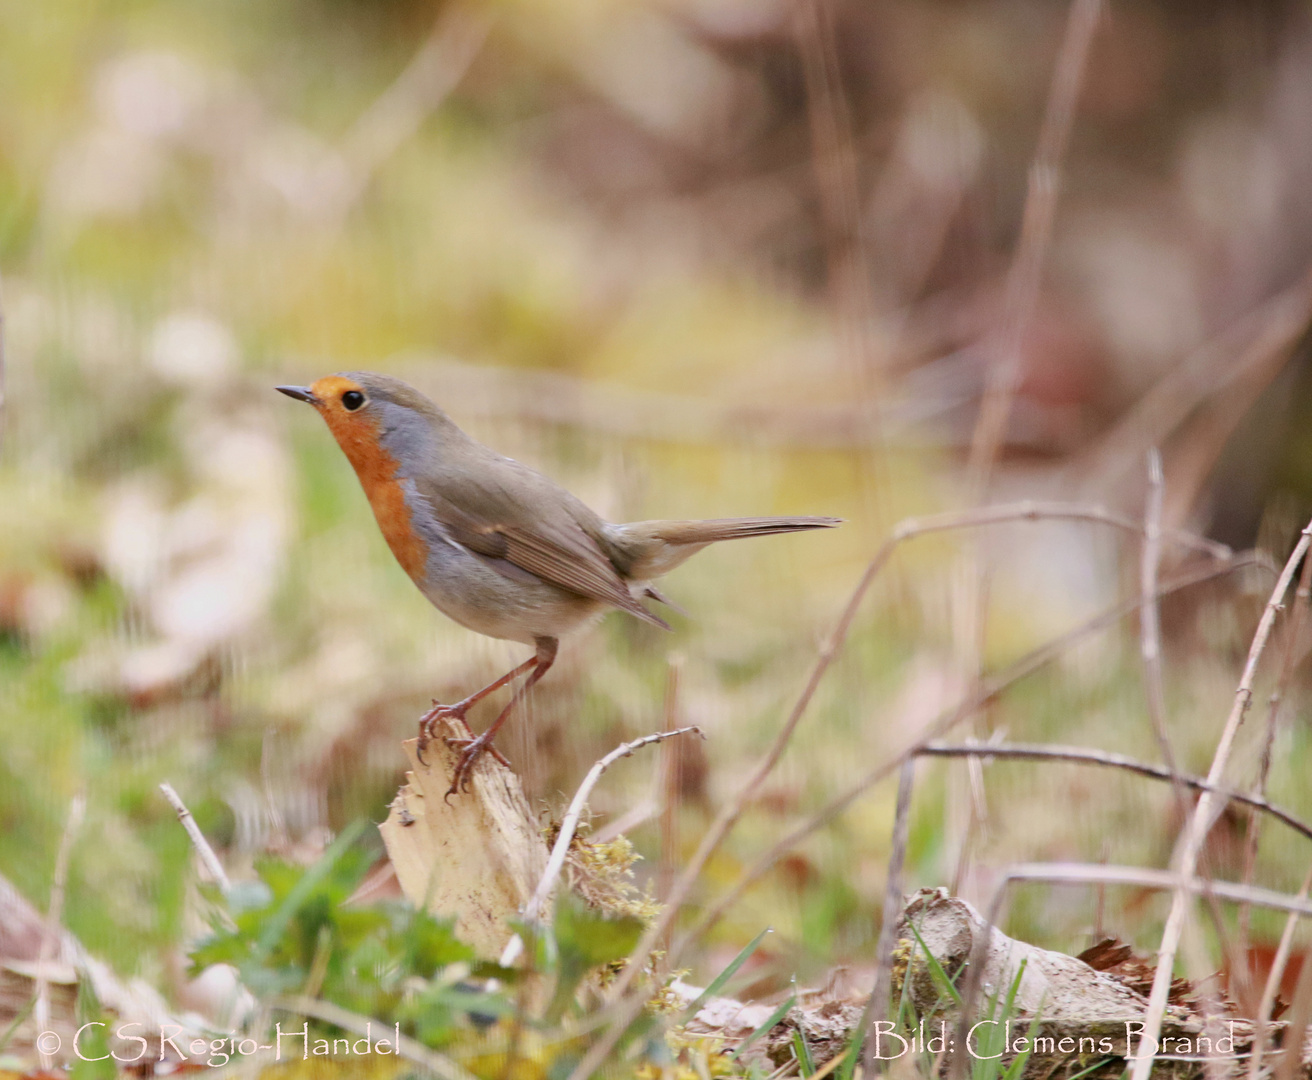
(364, 1067)
(602, 874)
(666, 1002)
(698, 1055)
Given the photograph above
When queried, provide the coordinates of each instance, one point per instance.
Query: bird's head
(345, 403)
(367, 412)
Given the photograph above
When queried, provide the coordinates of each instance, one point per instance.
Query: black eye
(352, 400)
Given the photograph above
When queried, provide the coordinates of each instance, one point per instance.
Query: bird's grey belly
(475, 593)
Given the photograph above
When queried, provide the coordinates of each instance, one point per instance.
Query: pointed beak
(300, 393)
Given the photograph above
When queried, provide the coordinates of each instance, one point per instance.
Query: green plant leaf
(586, 939)
(305, 887)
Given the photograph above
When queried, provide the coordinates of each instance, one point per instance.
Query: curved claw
(486, 746)
(473, 749)
(430, 719)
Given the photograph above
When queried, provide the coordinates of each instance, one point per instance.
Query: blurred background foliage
(612, 238)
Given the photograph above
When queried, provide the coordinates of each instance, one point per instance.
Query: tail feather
(643, 550)
(708, 532)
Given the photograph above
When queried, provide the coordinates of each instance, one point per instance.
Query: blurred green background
(613, 239)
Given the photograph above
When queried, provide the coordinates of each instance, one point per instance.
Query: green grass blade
(989, 1067)
(769, 1023)
(1016, 1067)
(940, 976)
(1091, 1068)
(717, 984)
(1010, 1006)
(804, 1063)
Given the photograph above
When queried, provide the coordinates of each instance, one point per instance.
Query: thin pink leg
(546, 656)
(458, 710)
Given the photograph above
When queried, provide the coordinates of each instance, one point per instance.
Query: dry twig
(54, 919)
(1086, 873)
(1200, 822)
(877, 1005)
(1026, 271)
(1252, 345)
(1080, 755)
(983, 692)
(1150, 624)
(1274, 710)
(396, 114)
(1150, 649)
(1028, 510)
(835, 166)
(1039, 510)
(1300, 1014)
(197, 837)
(1147, 878)
(569, 826)
(1262, 1023)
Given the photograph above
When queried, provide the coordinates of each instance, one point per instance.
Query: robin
(494, 545)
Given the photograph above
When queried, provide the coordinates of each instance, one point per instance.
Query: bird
(495, 545)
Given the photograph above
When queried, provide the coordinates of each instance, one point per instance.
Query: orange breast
(377, 470)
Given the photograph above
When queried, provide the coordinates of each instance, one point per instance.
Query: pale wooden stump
(477, 856)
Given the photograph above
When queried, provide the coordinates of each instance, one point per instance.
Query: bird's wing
(495, 517)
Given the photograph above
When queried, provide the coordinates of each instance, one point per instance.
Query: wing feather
(555, 547)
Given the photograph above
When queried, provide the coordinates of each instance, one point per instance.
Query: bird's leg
(458, 710)
(545, 657)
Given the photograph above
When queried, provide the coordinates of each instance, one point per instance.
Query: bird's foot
(473, 749)
(429, 720)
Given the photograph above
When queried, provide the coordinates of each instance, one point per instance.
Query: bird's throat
(377, 470)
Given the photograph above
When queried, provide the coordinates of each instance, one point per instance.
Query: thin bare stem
(1147, 878)
(197, 837)
(1150, 649)
(1100, 874)
(1038, 510)
(396, 114)
(732, 811)
(1150, 624)
(1027, 664)
(1191, 844)
(1274, 710)
(1081, 756)
(975, 975)
(835, 165)
(1004, 345)
(1252, 344)
(1278, 963)
(1300, 1014)
(1023, 279)
(54, 920)
(878, 1004)
(1027, 510)
(569, 826)
(670, 783)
